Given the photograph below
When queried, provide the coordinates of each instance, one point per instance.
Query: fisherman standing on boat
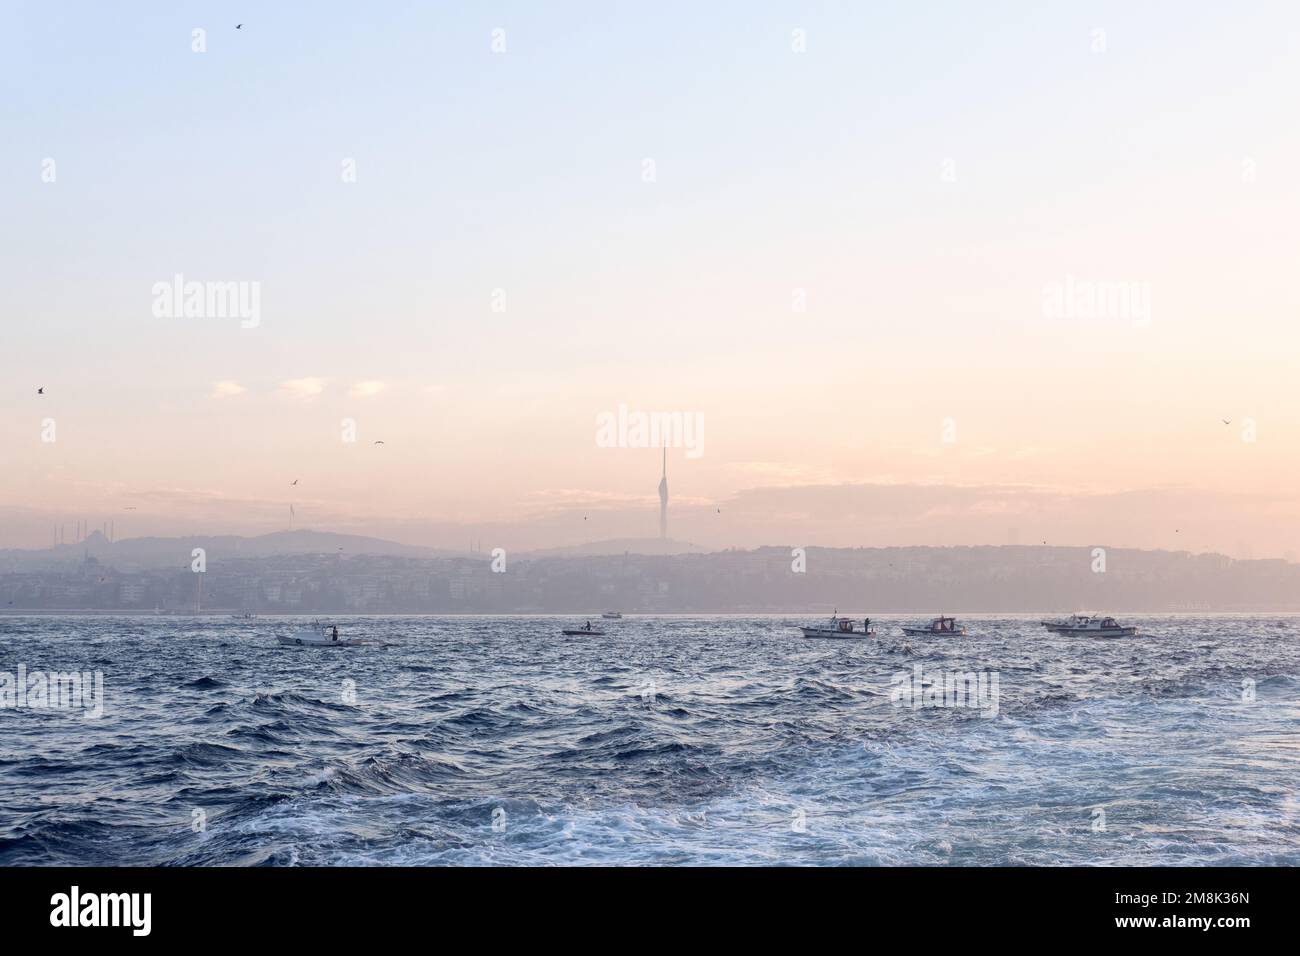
(334, 636)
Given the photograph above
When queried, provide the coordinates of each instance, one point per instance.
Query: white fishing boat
(613, 615)
(840, 628)
(939, 627)
(1098, 627)
(244, 616)
(319, 635)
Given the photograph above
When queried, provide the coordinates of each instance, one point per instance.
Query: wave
(752, 748)
(204, 683)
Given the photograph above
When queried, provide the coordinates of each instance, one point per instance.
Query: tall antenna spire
(663, 498)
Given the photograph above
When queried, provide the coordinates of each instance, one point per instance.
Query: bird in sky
(294, 482)
(378, 443)
(1225, 421)
(239, 26)
(41, 390)
(130, 508)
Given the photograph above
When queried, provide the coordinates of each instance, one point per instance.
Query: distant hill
(912, 580)
(619, 546)
(305, 572)
(163, 552)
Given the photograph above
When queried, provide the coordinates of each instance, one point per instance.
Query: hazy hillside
(164, 552)
(260, 574)
(616, 546)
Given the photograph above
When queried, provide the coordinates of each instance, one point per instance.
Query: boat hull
(583, 633)
(1098, 632)
(1074, 623)
(316, 643)
(828, 633)
(929, 632)
(312, 639)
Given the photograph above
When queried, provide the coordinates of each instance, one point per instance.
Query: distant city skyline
(271, 575)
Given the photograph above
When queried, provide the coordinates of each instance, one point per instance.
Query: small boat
(318, 636)
(244, 616)
(938, 627)
(613, 615)
(582, 632)
(840, 628)
(1099, 627)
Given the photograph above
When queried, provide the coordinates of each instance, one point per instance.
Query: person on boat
(589, 625)
(866, 625)
(334, 635)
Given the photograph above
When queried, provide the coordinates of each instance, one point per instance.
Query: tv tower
(663, 498)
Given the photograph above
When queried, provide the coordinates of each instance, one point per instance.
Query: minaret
(663, 498)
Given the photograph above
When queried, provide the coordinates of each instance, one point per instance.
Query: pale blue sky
(523, 171)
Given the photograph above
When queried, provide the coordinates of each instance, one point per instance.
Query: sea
(668, 740)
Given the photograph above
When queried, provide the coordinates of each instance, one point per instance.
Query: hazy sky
(866, 254)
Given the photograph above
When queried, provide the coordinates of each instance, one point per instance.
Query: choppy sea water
(671, 740)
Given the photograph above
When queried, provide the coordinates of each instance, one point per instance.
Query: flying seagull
(378, 443)
(294, 482)
(41, 390)
(1225, 421)
(239, 26)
